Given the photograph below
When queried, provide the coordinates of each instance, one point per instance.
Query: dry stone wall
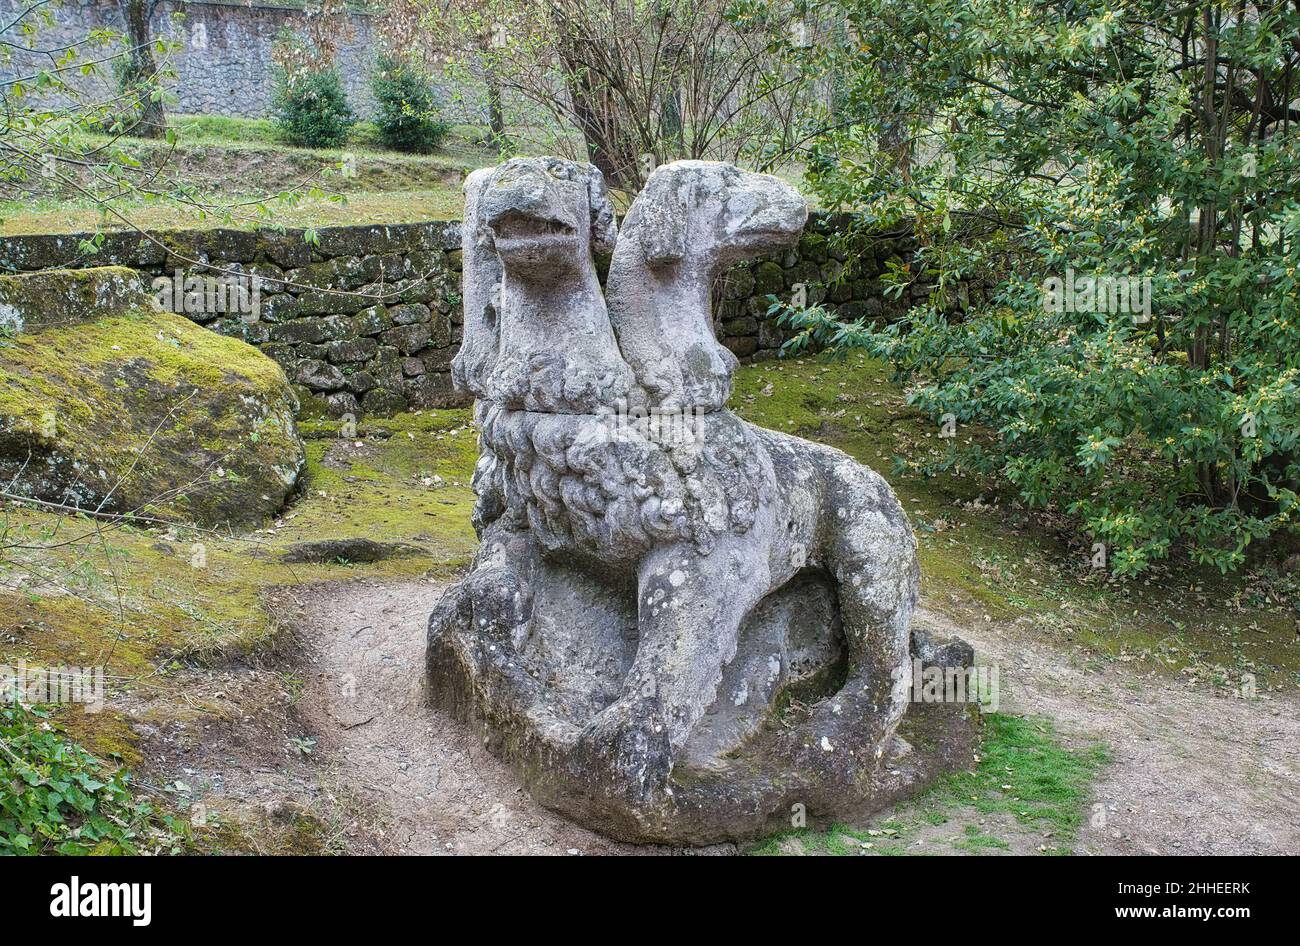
(364, 320)
(368, 318)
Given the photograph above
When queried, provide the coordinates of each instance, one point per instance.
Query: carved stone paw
(627, 747)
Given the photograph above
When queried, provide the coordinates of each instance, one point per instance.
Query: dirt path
(1191, 772)
(430, 787)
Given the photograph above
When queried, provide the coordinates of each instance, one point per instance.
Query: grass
(1027, 789)
(248, 177)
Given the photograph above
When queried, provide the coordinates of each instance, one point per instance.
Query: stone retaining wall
(816, 263)
(368, 319)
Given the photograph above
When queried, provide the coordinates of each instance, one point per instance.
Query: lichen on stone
(137, 410)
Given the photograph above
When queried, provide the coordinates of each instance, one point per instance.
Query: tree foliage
(627, 84)
(1041, 148)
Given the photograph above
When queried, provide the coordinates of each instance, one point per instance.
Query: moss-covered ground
(151, 603)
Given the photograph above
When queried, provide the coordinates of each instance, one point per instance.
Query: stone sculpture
(679, 626)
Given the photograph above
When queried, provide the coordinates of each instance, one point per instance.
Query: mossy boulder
(132, 409)
(38, 301)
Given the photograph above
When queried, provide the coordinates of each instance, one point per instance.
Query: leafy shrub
(408, 114)
(311, 108)
(56, 798)
(1039, 147)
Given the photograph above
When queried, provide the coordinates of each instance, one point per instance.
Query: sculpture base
(785, 735)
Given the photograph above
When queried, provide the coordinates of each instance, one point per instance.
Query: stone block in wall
(318, 375)
(386, 366)
(217, 246)
(313, 331)
(441, 332)
(747, 325)
(270, 276)
(372, 321)
(325, 301)
(43, 251)
(758, 306)
(804, 272)
(255, 333)
(427, 262)
(387, 238)
(130, 249)
(359, 382)
(386, 267)
(437, 359)
(409, 314)
(413, 290)
(342, 404)
(839, 292)
(351, 350)
(288, 249)
(729, 309)
(344, 272)
(741, 347)
(408, 338)
(769, 278)
(430, 390)
(280, 307)
(770, 335)
(383, 401)
(738, 283)
(813, 247)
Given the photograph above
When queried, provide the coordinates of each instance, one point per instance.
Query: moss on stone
(145, 411)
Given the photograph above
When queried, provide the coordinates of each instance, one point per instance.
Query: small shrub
(407, 118)
(311, 108)
(56, 798)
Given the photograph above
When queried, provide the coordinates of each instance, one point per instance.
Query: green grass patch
(1027, 783)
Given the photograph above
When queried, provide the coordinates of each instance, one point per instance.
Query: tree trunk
(496, 115)
(150, 121)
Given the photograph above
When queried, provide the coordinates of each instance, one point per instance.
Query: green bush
(56, 798)
(311, 108)
(1043, 151)
(407, 116)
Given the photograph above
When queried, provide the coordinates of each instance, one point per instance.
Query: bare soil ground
(426, 784)
(1190, 772)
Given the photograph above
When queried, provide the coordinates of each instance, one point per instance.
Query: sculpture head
(692, 221)
(537, 333)
(714, 214)
(538, 214)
